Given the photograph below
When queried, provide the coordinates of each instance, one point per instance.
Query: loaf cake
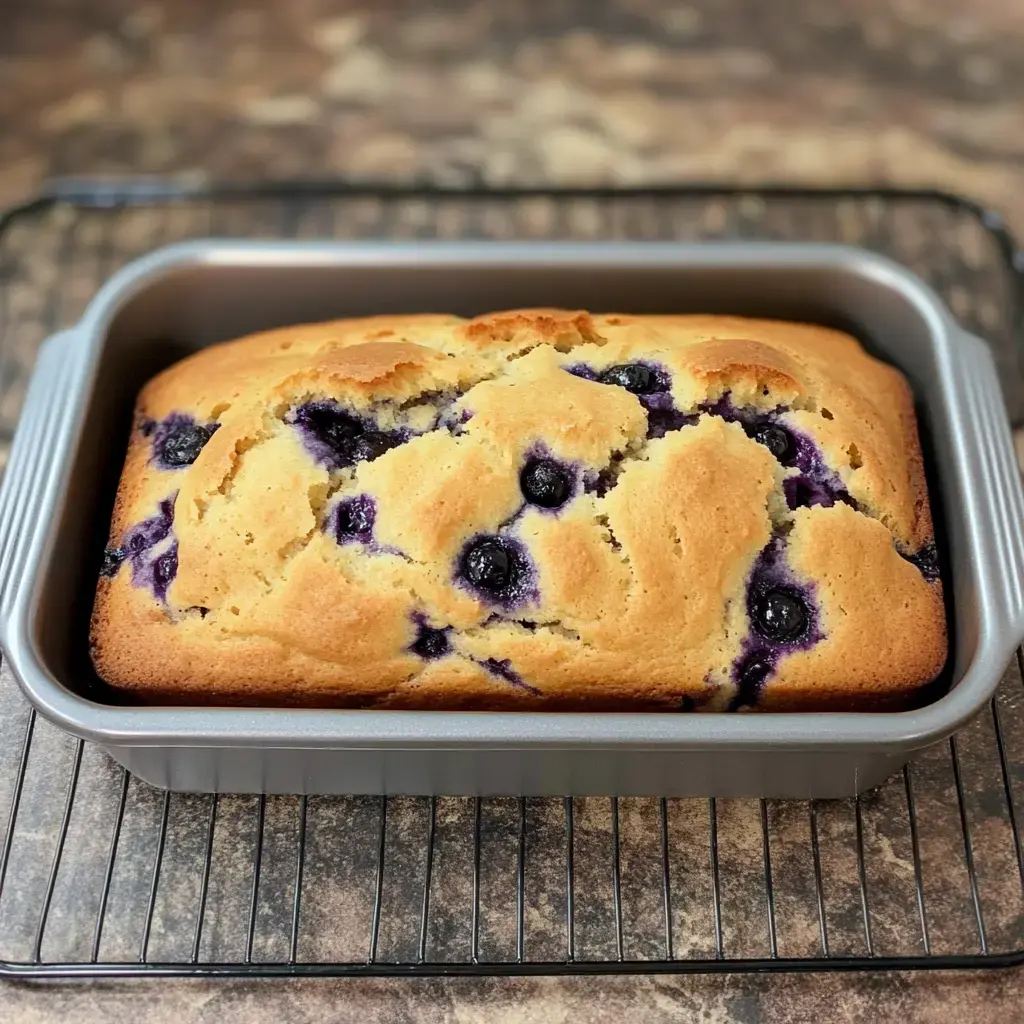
(534, 509)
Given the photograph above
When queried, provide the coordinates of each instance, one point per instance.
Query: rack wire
(103, 876)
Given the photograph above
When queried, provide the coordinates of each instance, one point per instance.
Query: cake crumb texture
(530, 509)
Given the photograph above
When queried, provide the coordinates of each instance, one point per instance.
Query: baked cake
(530, 509)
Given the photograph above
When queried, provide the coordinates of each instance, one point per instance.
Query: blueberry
(750, 676)
(777, 440)
(339, 438)
(354, 518)
(582, 370)
(147, 534)
(181, 447)
(112, 559)
(431, 643)
(927, 562)
(370, 446)
(545, 482)
(165, 568)
(754, 671)
(634, 377)
(331, 426)
(780, 615)
(355, 515)
(487, 565)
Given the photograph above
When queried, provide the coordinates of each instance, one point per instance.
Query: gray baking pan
(58, 493)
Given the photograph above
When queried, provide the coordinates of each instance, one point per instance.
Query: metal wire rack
(102, 876)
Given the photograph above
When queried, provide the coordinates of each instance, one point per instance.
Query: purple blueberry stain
(601, 482)
(927, 562)
(816, 483)
(750, 672)
(651, 383)
(783, 617)
(454, 421)
(430, 643)
(805, 491)
(147, 534)
(177, 439)
(159, 574)
(448, 416)
(151, 550)
(582, 370)
(502, 668)
(352, 520)
(337, 438)
(496, 568)
(662, 415)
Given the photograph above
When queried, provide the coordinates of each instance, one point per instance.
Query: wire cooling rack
(101, 875)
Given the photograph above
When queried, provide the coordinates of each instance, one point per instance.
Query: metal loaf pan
(58, 493)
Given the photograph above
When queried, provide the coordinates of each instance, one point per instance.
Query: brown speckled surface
(921, 92)
(911, 92)
(793, 999)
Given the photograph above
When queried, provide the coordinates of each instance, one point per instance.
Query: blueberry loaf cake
(531, 509)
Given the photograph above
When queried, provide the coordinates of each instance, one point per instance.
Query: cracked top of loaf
(529, 509)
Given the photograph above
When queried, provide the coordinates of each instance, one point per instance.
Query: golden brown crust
(639, 584)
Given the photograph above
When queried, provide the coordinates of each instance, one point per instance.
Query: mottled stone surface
(636, 91)
(794, 999)
(915, 92)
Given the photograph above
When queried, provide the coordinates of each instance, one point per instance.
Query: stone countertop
(909, 92)
(930, 998)
(915, 92)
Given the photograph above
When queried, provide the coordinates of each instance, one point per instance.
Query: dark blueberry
(165, 568)
(804, 491)
(602, 482)
(112, 559)
(927, 562)
(431, 643)
(780, 615)
(754, 671)
(545, 482)
(370, 446)
(750, 676)
(354, 519)
(147, 534)
(662, 421)
(181, 447)
(582, 370)
(355, 516)
(331, 426)
(487, 565)
(777, 440)
(687, 704)
(634, 377)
